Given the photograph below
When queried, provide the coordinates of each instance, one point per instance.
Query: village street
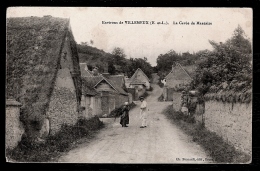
(160, 142)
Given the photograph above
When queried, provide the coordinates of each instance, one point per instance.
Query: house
(119, 83)
(91, 99)
(137, 84)
(109, 91)
(43, 73)
(177, 78)
(84, 70)
(139, 79)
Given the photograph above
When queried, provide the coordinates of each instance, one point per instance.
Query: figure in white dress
(143, 112)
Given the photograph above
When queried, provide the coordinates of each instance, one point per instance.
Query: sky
(147, 40)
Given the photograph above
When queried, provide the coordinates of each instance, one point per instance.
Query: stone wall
(63, 102)
(14, 128)
(176, 100)
(232, 122)
(62, 109)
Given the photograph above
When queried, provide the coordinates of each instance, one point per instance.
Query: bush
(32, 151)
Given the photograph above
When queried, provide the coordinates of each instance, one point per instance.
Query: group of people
(124, 120)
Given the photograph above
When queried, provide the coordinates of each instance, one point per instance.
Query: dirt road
(160, 142)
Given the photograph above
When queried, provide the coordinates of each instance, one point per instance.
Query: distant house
(109, 89)
(137, 84)
(177, 77)
(43, 73)
(84, 70)
(139, 79)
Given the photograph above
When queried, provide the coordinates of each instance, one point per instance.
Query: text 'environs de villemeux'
(153, 22)
(125, 22)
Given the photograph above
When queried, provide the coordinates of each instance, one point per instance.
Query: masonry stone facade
(63, 102)
(14, 128)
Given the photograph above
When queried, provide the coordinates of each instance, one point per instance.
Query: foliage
(31, 151)
(135, 63)
(116, 61)
(217, 148)
(165, 61)
(117, 111)
(226, 67)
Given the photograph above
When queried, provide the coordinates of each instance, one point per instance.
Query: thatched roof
(95, 80)
(87, 89)
(178, 73)
(135, 74)
(34, 46)
(119, 79)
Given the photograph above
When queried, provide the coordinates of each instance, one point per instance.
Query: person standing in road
(143, 113)
(125, 115)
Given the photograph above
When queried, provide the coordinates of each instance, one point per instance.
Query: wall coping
(12, 102)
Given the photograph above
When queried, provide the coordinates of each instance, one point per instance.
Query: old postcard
(129, 85)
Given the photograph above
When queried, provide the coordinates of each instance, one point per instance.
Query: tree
(119, 57)
(227, 62)
(91, 42)
(118, 52)
(111, 68)
(239, 41)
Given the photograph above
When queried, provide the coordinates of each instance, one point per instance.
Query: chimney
(105, 73)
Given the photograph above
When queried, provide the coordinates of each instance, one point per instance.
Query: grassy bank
(54, 145)
(214, 145)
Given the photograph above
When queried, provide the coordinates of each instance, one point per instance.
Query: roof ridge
(103, 78)
(136, 73)
(179, 65)
(184, 69)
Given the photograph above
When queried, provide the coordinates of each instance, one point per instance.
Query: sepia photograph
(128, 85)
